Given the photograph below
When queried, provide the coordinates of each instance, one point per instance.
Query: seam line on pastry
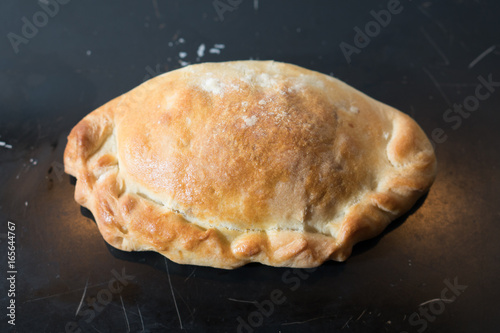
(203, 225)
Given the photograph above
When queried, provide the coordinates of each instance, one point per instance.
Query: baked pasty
(222, 164)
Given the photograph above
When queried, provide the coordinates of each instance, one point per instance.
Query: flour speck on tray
(5, 145)
(216, 49)
(185, 55)
(201, 50)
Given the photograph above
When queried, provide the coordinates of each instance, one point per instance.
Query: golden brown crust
(251, 161)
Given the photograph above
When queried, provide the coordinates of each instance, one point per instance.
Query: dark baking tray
(427, 57)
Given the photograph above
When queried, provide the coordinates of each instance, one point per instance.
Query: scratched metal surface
(428, 57)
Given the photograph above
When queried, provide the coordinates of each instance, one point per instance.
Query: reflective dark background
(422, 59)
